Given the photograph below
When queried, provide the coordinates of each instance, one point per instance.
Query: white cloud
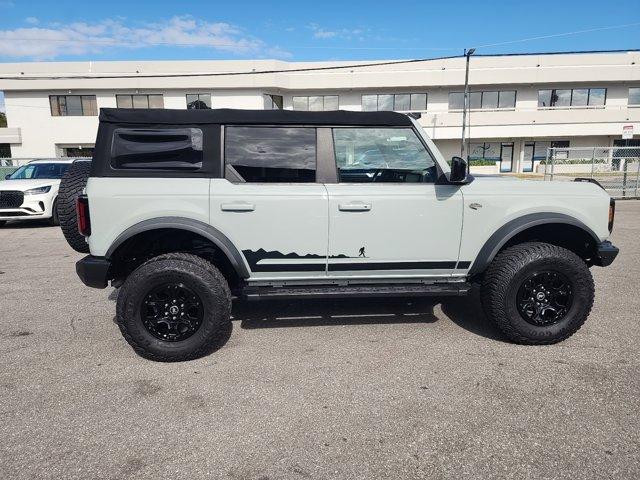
(32, 20)
(344, 33)
(80, 38)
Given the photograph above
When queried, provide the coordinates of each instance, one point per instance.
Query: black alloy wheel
(172, 312)
(545, 298)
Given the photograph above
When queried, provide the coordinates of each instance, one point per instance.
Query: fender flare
(218, 238)
(510, 229)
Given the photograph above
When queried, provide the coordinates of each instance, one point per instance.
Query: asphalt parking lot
(351, 389)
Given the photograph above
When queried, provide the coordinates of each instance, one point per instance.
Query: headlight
(38, 191)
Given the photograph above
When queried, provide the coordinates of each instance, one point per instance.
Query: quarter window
(198, 101)
(365, 155)
(73, 105)
(317, 103)
(400, 102)
(271, 154)
(140, 101)
(158, 149)
(577, 97)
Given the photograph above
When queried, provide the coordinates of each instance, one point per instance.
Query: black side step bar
(350, 291)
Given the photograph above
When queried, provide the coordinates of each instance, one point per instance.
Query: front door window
(389, 155)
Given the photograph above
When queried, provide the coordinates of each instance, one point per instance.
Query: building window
(77, 152)
(140, 101)
(73, 105)
(5, 150)
(272, 102)
(316, 103)
(399, 102)
(489, 100)
(634, 96)
(198, 101)
(577, 97)
(271, 154)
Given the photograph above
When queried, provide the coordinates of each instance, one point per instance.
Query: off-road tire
(71, 185)
(196, 273)
(54, 220)
(504, 277)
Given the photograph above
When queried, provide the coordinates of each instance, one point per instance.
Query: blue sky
(298, 30)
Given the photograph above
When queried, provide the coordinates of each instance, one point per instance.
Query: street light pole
(467, 54)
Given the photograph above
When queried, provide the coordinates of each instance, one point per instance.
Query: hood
(27, 184)
(497, 186)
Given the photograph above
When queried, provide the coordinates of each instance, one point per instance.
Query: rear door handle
(354, 207)
(237, 207)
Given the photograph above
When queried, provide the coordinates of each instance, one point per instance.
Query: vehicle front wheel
(54, 220)
(175, 307)
(537, 293)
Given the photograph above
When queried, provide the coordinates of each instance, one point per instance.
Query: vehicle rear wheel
(72, 184)
(54, 220)
(537, 293)
(175, 307)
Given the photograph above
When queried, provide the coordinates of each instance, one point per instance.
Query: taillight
(612, 213)
(84, 221)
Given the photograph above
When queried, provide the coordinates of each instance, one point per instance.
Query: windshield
(40, 170)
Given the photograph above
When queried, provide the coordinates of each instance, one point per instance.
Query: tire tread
(506, 265)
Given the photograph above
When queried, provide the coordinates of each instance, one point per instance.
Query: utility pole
(467, 54)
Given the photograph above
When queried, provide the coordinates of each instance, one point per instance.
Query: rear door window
(157, 149)
(271, 154)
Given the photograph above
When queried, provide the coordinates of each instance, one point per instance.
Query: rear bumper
(606, 254)
(93, 271)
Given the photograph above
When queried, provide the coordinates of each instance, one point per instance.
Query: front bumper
(93, 271)
(33, 207)
(607, 253)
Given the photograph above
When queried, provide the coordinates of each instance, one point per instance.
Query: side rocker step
(349, 291)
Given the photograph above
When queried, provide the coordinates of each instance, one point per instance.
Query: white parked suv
(31, 192)
(183, 210)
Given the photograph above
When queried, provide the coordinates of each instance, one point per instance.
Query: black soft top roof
(251, 117)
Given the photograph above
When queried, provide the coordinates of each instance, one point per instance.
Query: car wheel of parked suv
(175, 307)
(55, 219)
(71, 185)
(537, 293)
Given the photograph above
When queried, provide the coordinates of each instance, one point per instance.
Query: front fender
(510, 229)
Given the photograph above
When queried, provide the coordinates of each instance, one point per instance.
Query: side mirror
(458, 170)
(6, 177)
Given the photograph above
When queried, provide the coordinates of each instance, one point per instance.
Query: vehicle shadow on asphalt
(27, 224)
(465, 312)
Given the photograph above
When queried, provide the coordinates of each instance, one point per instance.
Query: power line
(223, 74)
(240, 46)
(555, 35)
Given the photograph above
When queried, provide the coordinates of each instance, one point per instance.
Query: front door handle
(237, 207)
(354, 207)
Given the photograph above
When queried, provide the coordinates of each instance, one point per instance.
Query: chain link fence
(617, 169)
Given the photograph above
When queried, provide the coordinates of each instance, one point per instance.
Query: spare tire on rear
(72, 184)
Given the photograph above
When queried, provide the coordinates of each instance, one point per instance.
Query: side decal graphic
(275, 261)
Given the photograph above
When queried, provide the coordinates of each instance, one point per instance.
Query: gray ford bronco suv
(184, 210)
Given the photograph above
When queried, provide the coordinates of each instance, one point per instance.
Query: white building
(520, 104)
